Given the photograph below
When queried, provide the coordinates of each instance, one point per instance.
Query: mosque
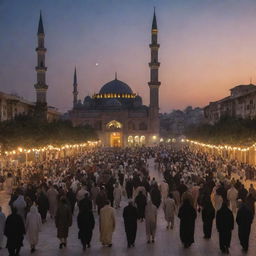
(117, 113)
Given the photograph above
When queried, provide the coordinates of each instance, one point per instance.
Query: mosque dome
(87, 99)
(116, 86)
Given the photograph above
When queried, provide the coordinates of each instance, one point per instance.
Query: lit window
(142, 139)
(114, 125)
(137, 139)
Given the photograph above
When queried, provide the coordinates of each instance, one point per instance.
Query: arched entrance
(115, 139)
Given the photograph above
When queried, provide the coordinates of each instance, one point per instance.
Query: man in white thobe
(151, 220)
(107, 224)
(232, 195)
(164, 189)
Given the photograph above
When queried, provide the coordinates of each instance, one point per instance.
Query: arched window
(142, 140)
(137, 140)
(130, 140)
(143, 126)
(114, 125)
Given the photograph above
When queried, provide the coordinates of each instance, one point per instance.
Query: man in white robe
(169, 207)
(151, 220)
(33, 227)
(20, 205)
(164, 189)
(232, 195)
(107, 224)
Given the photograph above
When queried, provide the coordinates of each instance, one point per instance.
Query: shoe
(88, 245)
(133, 245)
(65, 244)
(148, 241)
(84, 248)
(32, 250)
(153, 240)
(110, 245)
(128, 246)
(61, 246)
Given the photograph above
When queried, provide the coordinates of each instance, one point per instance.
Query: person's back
(187, 215)
(14, 231)
(224, 219)
(225, 225)
(107, 224)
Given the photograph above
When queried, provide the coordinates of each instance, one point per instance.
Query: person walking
(86, 223)
(107, 224)
(225, 225)
(208, 215)
(2, 225)
(63, 220)
(52, 195)
(117, 195)
(14, 231)
(141, 202)
(169, 208)
(187, 215)
(130, 216)
(101, 199)
(151, 221)
(43, 204)
(155, 195)
(33, 227)
(20, 205)
(232, 195)
(244, 220)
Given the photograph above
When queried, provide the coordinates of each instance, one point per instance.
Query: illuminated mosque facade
(117, 113)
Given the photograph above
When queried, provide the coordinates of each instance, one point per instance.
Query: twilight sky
(207, 47)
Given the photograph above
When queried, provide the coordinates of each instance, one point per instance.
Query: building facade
(12, 106)
(240, 104)
(117, 113)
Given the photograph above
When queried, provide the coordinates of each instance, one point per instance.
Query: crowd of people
(97, 181)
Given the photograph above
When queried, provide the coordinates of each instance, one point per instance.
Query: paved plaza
(167, 241)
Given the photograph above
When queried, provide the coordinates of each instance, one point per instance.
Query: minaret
(41, 86)
(75, 92)
(154, 83)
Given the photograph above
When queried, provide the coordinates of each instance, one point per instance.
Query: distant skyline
(206, 47)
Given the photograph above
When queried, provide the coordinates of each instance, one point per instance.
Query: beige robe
(107, 224)
(151, 219)
(169, 208)
(232, 195)
(164, 189)
(33, 225)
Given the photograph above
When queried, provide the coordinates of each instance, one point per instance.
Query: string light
(227, 147)
(50, 147)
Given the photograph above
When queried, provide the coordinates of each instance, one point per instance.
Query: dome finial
(115, 75)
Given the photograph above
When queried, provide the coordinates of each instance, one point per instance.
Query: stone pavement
(167, 242)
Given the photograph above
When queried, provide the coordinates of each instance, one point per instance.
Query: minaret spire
(75, 92)
(115, 75)
(41, 86)
(40, 25)
(154, 23)
(154, 83)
